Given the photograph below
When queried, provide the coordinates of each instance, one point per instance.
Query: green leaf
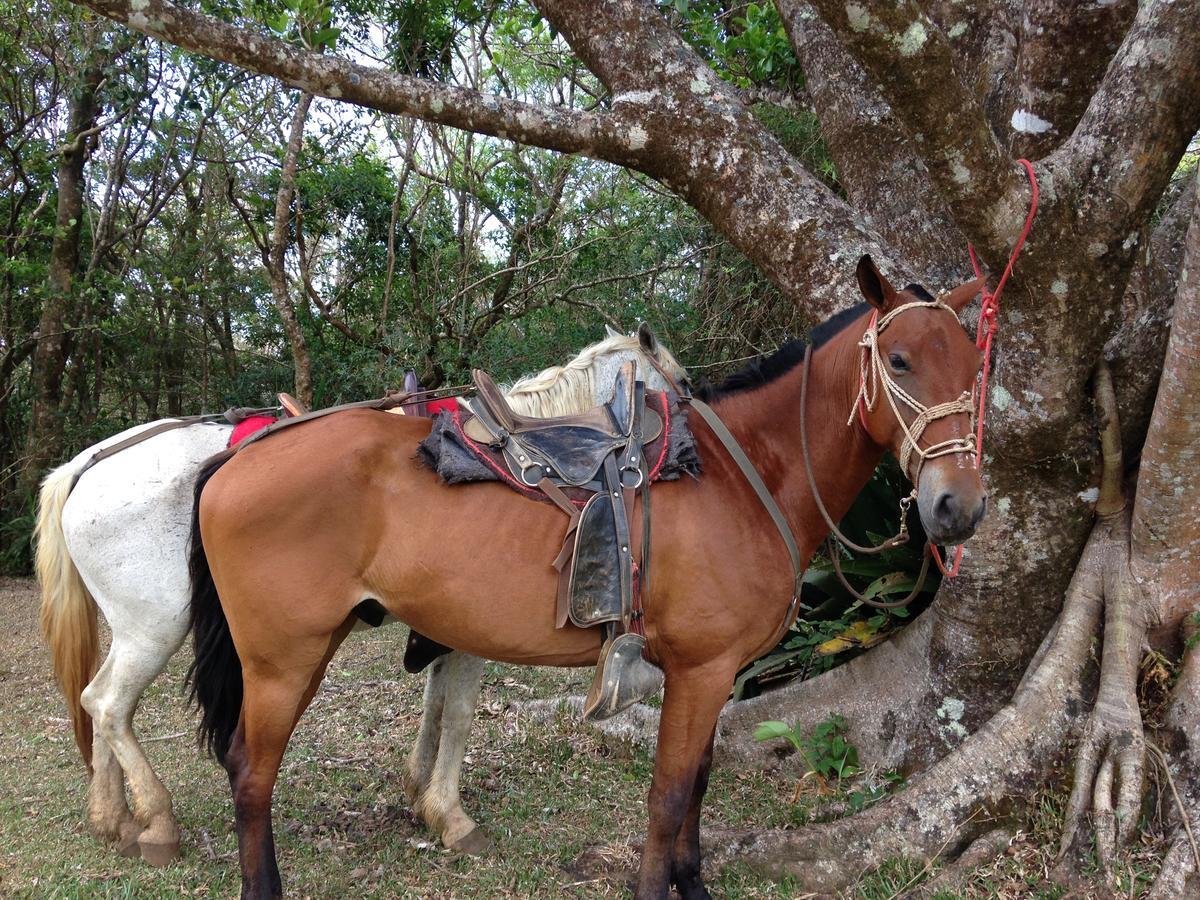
(326, 37)
(768, 731)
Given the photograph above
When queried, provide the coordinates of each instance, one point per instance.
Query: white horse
(115, 536)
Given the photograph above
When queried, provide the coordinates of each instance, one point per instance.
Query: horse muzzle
(950, 514)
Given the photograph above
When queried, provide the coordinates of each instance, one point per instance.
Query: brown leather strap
(834, 557)
(764, 496)
(391, 401)
(230, 416)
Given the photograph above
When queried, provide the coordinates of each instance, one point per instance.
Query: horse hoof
(126, 840)
(475, 842)
(159, 854)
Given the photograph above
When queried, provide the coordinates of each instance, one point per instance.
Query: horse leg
(275, 696)
(419, 768)
(691, 704)
(685, 858)
(133, 666)
(109, 817)
(439, 804)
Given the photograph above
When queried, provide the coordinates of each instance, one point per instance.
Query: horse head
(918, 372)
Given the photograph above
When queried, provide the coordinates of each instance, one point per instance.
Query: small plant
(830, 757)
(826, 751)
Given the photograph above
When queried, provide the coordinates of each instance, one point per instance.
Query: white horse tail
(68, 615)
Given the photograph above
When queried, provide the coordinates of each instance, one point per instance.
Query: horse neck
(766, 421)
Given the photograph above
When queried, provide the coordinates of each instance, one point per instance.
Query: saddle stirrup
(623, 676)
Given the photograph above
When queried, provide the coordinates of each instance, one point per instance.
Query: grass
(565, 808)
(547, 791)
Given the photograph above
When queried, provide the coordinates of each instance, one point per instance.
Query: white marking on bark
(951, 711)
(139, 5)
(1091, 495)
(138, 21)
(642, 97)
(913, 39)
(334, 91)
(700, 85)
(961, 173)
(638, 137)
(1025, 121)
(958, 30)
(1001, 399)
(859, 18)
(1059, 288)
(436, 106)
(1003, 505)
(1130, 242)
(1096, 249)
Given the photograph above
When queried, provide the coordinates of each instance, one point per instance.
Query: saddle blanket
(458, 459)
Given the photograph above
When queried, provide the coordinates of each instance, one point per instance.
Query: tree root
(949, 806)
(1110, 761)
(1180, 872)
(981, 851)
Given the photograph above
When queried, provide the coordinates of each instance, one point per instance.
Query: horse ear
(647, 340)
(411, 384)
(611, 332)
(875, 288)
(964, 294)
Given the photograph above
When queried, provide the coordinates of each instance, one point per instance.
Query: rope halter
(874, 372)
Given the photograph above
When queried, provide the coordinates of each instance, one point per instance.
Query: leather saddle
(570, 450)
(591, 465)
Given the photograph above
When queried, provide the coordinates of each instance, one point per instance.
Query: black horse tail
(216, 673)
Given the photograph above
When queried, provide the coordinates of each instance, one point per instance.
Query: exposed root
(948, 807)
(1180, 873)
(981, 851)
(1110, 762)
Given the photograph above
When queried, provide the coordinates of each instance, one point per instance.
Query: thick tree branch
(1063, 52)
(913, 63)
(1137, 125)
(556, 128)
(875, 160)
(704, 143)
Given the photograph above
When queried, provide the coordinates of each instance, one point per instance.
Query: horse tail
(216, 672)
(68, 613)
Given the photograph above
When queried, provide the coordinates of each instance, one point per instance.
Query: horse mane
(566, 389)
(770, 366)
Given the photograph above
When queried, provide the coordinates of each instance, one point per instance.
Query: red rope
(988, 326)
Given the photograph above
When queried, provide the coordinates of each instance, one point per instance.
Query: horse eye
(898, 362)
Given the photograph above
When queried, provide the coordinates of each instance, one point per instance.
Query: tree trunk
(276, 258)
(50, 357)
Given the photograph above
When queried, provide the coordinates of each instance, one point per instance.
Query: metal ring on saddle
(536, 472)
(635, 470)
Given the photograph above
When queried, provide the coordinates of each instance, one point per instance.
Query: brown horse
(297, 530)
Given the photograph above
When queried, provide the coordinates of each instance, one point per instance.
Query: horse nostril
(944, 509)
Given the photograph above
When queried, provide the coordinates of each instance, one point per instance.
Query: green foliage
(830, 757)
(1194, 638)
(825, 752)
(747, 45)
(306, 22)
